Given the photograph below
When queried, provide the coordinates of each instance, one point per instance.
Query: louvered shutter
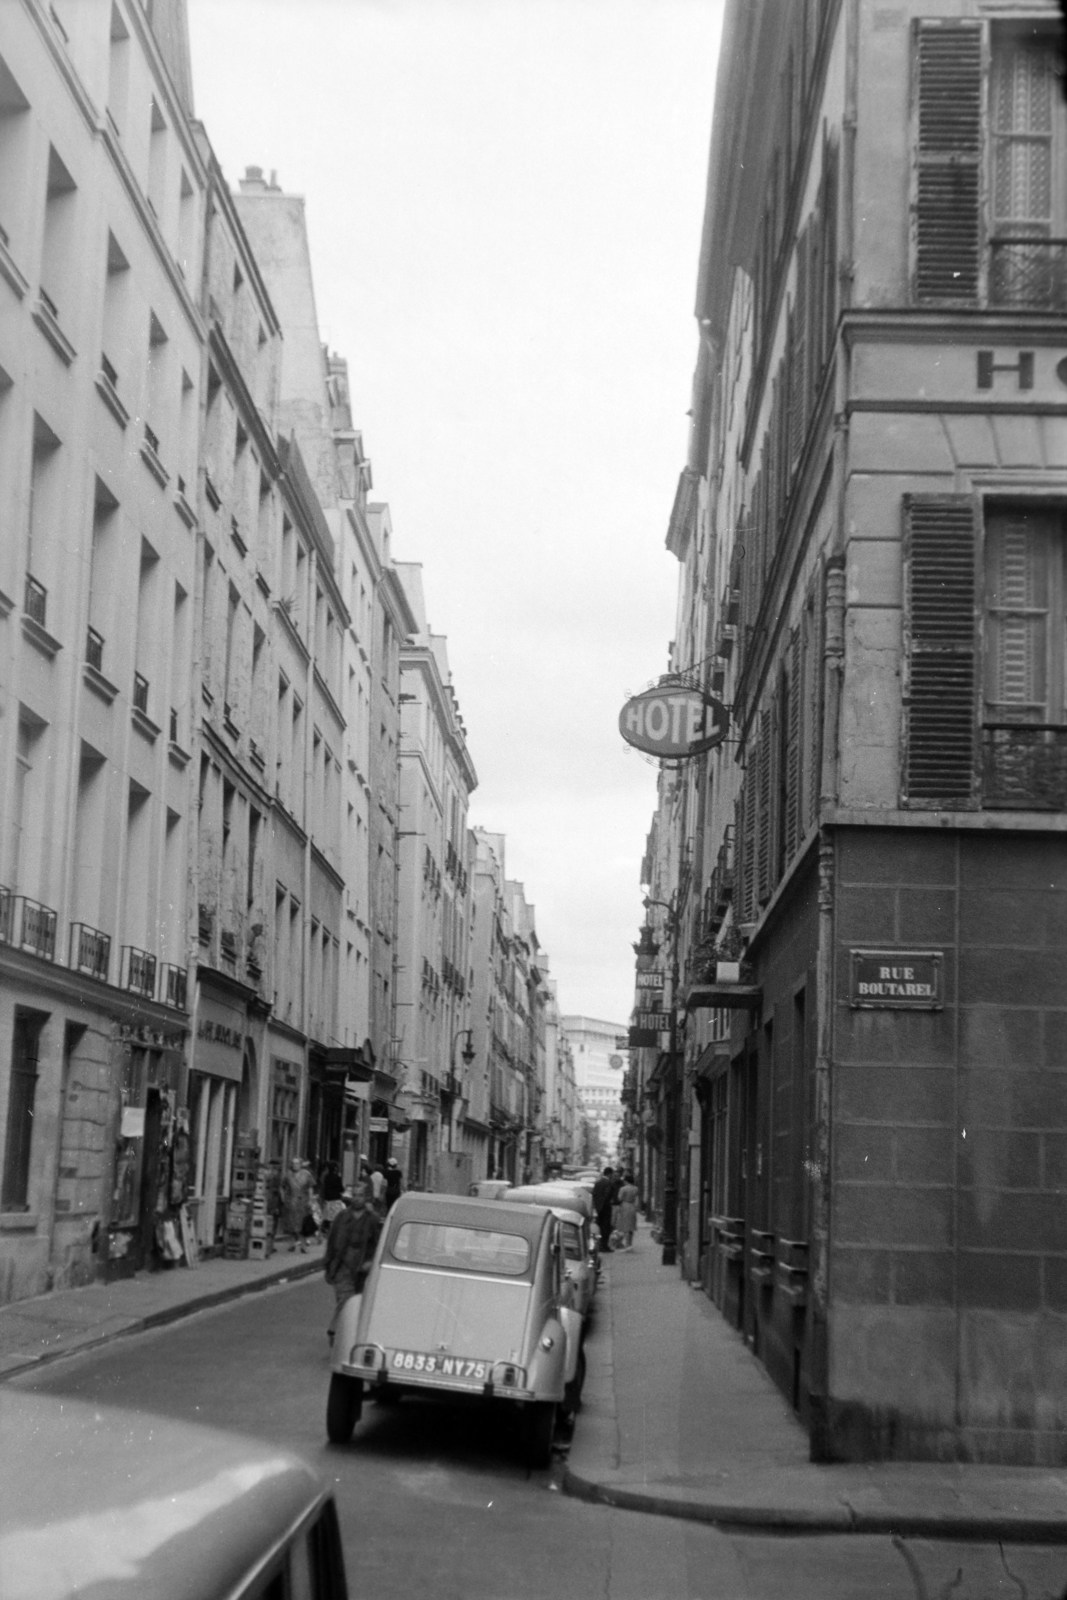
(798, 361)
(939, 651)
(810, 709)
(746, 837)
(948, 152)
(764, 814)
(791, 721)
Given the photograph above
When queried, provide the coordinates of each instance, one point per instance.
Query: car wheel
(540, 1430)
(343, 1407)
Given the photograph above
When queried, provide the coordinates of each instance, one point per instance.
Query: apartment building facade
(862, 892)
(101, 213)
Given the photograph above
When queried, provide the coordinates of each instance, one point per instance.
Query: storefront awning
(345, 1062)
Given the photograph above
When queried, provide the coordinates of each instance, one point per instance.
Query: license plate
(440, 1366)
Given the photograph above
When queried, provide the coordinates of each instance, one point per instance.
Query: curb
(160, 1319)
(774, 1519)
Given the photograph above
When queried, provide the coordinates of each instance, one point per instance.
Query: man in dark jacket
(394, 1183)
(349, 1250)
(603, 1200)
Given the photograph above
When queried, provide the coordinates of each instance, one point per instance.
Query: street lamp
(670, 1142)
(452, 1087)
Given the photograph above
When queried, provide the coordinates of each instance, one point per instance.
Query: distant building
(599, 1052)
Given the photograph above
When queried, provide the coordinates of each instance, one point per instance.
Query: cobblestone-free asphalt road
(434, 1500)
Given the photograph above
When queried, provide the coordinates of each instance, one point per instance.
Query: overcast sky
(504, 202)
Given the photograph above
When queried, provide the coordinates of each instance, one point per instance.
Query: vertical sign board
(899, 980)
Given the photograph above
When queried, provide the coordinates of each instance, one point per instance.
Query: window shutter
(799, 367)
(939, 651)
(810, 706)
(948, 150)
(763, 819)
(791, 820)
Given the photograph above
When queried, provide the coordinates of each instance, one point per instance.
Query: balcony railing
(1028, 272)
(173, 990)
(27, 925)
(90, 951)
(139, 971)
(1024, 766)
(94, 649)
(140, 693)
(35, 601)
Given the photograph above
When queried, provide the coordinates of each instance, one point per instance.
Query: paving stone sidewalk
(71, 1320)
(680, 1419)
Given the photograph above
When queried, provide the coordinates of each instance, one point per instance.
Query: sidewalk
(680, 1419)
(70, 1320)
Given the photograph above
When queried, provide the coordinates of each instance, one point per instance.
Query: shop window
(22, 1092)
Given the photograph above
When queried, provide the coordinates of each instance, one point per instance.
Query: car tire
(540, 1430)
(343, 1407)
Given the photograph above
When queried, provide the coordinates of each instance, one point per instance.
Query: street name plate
(903, 980)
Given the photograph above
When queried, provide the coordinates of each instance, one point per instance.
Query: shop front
(219, 1085)
(149, 1176)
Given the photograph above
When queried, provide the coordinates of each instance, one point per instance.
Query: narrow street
(435, 1501)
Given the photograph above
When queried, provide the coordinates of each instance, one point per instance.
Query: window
(59, 262)
(22, 1091)
(14, 154)
(1009, 751)
(1009, 143)
(118, 78)
(147, 642)
(435, 1244)
(157, 162)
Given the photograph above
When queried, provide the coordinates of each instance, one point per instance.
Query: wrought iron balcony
(28, 925)
(1024, 766)
(173, 990)
(90, 951)
(138, 971)
(1027, 272)
(35, 600)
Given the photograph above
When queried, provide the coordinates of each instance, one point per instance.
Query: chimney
(252, 180)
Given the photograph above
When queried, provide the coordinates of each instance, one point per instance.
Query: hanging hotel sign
(898, 979)
(650, 980)
(656, 1021)
(673, 720)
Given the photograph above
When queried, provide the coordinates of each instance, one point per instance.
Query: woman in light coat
(626, 1219)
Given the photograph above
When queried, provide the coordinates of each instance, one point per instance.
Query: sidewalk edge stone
(161, 1319)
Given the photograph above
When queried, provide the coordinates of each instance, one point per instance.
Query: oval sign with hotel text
(673, 720)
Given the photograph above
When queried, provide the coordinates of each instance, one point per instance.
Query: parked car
(118, 1505)
(490, 1188)
(581, 1257)
(466, 1297)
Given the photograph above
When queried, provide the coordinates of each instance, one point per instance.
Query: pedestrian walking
(626, 1210)
(394, 1183)
(603, 1202)
(332, 1189)
(297, 1186)
(349, 1249)
(377, 1189)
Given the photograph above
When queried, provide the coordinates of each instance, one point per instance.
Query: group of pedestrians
(615, 1200)
(309, 1208)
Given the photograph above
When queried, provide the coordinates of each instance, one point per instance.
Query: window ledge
(213, 498)
(109, 395)
(18, 1222)
(9, 270)
(40, 638)
(145, 726)
(178, 756)
(100, 685)
(7, 605)
(184, 509)
(53, 333)
(263, 585)
(154, 465)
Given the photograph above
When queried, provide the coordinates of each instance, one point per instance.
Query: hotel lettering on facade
(864, 892)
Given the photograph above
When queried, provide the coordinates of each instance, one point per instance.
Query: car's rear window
(572, 1241)
(439, 1244)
